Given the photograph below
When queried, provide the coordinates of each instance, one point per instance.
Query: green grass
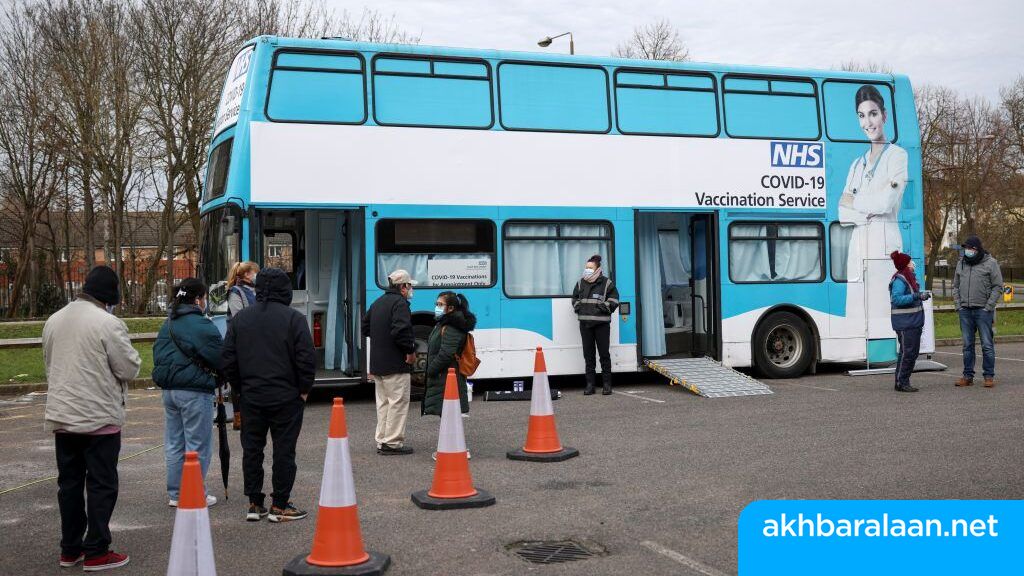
(35, 329)
(1008, 323)
(26, 364)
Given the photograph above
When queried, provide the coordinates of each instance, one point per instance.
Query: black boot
(906, 388)
(606, 379)
(589, 389)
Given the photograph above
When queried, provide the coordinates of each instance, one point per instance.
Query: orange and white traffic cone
(338, 541)
(453, 485)
(191, 544)
(542, 443)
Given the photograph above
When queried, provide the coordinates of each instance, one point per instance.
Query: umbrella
(222, 435)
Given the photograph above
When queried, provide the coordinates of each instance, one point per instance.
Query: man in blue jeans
(977, 285)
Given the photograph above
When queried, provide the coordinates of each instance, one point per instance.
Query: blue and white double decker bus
(746, 214)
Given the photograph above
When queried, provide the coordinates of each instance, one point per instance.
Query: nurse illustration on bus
(869, 205)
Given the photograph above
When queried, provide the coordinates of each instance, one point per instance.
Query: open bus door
(321, 250)
(677, 280)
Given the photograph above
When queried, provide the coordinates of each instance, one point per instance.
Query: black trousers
(86, 491)
(596, 335)
(284, 422)
(910, 347)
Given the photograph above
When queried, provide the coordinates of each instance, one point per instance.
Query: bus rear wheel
(783, 346)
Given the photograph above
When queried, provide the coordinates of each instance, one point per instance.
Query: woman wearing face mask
(241, 291)
(186, 358)
(870, 203)
(594, 299)
(906, 296)
(241, 295)
(453, 322)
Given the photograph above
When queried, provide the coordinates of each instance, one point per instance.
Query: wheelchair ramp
(706, 377)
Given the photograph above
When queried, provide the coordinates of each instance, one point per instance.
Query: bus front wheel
(783, 346)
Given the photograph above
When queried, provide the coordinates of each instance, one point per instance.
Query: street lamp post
(546, 41)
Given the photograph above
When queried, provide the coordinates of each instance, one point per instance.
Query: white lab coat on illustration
(870, 204)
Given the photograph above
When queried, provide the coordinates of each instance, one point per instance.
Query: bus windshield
(222, 233)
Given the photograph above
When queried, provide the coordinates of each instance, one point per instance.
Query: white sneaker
(210, 501)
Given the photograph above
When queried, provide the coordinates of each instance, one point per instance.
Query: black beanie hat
(973, 241)
(103, 285)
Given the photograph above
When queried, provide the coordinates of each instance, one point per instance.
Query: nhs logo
(798, 154)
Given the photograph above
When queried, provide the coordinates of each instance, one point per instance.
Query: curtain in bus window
(648, 273)
(748, 259)
(532, 268)
(797, 260)
(573, 254)
(547, 260)
(839, 250)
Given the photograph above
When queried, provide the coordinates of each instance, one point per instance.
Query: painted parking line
(682, 559)
(636, 394)
(809, 386)
(49, 478)
(997, 357)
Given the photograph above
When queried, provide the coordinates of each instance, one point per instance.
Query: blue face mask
(970, 253)
(110, 308)
(438, 312)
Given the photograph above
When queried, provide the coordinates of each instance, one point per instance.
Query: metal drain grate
(551, 552)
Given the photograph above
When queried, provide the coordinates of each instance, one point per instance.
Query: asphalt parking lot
(661, 479)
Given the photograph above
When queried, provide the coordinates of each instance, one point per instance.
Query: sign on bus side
(234, 87)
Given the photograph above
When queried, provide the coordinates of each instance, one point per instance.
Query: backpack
(466, 359)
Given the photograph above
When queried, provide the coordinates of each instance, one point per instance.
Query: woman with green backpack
(445, 346)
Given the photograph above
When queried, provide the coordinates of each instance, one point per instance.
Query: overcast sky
(972, 46)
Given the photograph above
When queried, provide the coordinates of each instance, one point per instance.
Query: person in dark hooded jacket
(269, 355)
(446, 340)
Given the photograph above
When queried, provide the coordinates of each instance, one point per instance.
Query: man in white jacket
(89, 362)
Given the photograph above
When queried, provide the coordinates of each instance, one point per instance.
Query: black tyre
(421, 333)
(783, 346)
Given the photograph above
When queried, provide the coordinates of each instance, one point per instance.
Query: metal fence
(942, 278)
(51, 297)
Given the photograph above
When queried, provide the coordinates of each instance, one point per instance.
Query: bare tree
(871, 66)
(654, 41)
(75, 41)
(182, 52)
(30, 169)
(373, 26)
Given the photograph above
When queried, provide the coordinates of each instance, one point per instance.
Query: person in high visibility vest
(594, 299)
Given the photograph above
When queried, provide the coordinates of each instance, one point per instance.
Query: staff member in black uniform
(594, 299)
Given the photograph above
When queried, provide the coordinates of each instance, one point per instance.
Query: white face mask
(408, 295)
(109, 308)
